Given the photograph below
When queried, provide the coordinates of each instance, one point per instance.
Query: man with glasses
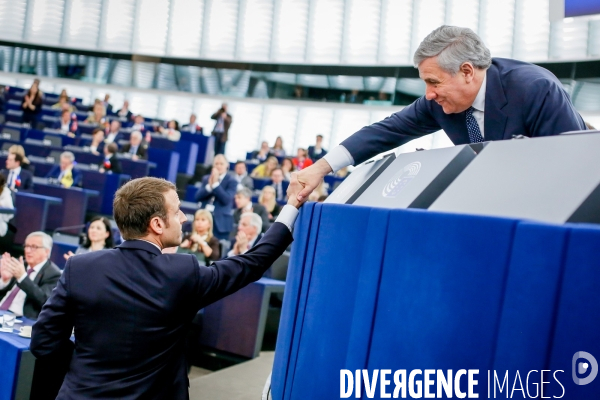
(24, 288)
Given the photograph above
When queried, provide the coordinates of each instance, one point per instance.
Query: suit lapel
(40, 274)
(495, 100)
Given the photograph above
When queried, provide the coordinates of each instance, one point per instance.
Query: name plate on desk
(359, 180)
(415, 180)
(553, 179)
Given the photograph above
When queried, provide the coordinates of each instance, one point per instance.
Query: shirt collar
(153, 244)
(17, 170)
(39, 266)
(479, 103)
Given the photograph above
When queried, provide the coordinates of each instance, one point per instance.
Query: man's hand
(305, 181)
(68, 255)
(241, 243)
(14, 266)
(5, 274)
(214, 177)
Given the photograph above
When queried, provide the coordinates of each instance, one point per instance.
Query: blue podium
(373, 289)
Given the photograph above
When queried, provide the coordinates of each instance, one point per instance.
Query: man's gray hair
(68, 155)
(255, 220)
(453, 46)
(247, 193)
(136, 134)
(46, 239)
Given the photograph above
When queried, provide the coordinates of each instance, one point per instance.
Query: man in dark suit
(248, 234)
(17, 178)
(240, 174)
(132, 306)
(469, 95)
(25, 289)
(136, 147)
(65, 173)
(279, 184)
(67, 123)
(111, 163)
(317, 151)
(192, 127)
(221, 129)
(216, 194)
(244, 204)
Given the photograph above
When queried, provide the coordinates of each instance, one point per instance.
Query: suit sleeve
(231, 274)
(52, 172)
(54, 325)
(224, 193)
(410, 123)
(77, 179)
(550, 110)
(39, 294)
(202, 194)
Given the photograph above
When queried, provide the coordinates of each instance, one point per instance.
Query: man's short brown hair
(137, 202)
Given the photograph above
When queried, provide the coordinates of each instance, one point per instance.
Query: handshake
(305, 181)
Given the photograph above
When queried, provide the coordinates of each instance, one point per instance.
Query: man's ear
(468, 71)
(156, 226)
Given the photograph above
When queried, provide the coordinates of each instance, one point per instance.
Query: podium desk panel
(166, 161)
(72, 209)
(553, 179)
(106, 185)
(415, 180)
(359, 180)
(32, 213)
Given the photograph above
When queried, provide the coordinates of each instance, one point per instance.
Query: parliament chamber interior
(447, 247)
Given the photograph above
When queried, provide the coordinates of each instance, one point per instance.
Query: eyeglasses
(32, 247)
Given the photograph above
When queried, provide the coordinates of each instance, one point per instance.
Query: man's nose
(430, 93)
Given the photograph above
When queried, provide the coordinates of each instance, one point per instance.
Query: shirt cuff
(338, 158)
(215, 185)
(22, 278)
(3, 284)
(208, 188)
(288, 216)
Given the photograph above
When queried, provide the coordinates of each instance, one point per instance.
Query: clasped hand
(305, 181)
(10, 267)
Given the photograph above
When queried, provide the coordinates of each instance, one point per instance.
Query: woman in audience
(97, 116)
(32, 104)
(267, 199)
(171, 132)
(97, 237)
(201, 242)
(277, 149)
(63, 104)
(264, 170)
(97, 145)
(302, 161)
(18, 149)
(287, 166)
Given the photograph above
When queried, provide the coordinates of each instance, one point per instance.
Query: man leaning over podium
(470, 95)
(131, 307)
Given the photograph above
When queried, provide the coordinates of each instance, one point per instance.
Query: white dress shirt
(210, 188)
(19, 300)
(339, 157)
(12, 176)
(5, 202)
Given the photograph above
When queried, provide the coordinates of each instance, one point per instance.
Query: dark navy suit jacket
(520, 99)
(77, 175)
(223, 202)
(131, 308)
(26, 180)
